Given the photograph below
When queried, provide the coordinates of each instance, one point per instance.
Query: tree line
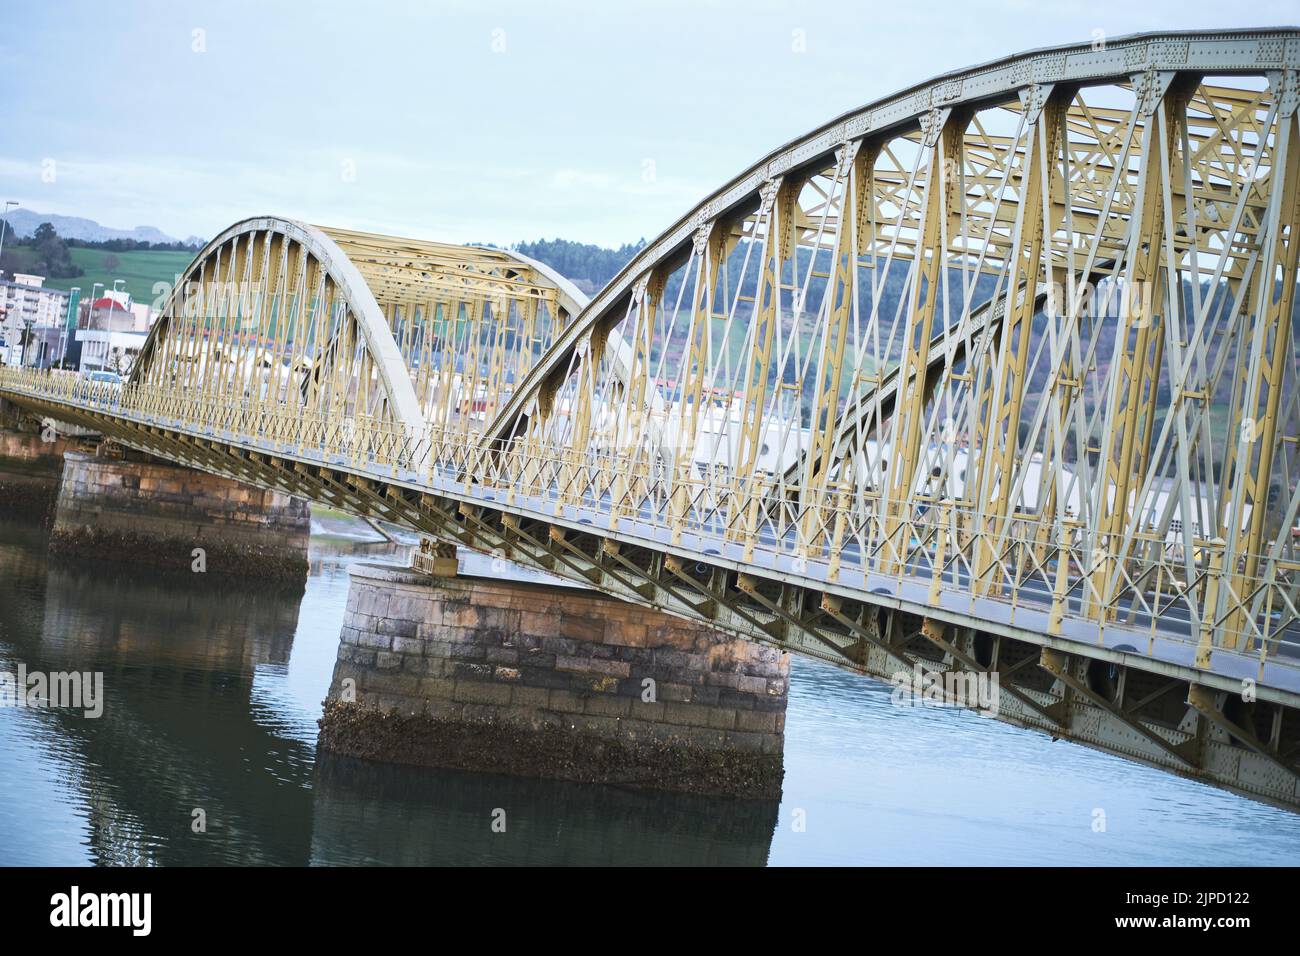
(587, 266)
(133, 245)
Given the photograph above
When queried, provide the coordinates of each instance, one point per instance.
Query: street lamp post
(90, 314)
(4, 221)
(112, 309)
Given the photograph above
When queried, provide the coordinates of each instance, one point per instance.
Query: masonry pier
(31, 465)
(539, 680)
(118, 505)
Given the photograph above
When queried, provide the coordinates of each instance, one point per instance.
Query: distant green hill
(587, 266)
(140, 269)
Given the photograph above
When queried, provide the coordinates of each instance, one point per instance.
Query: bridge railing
(1025, 561)
(840, 535)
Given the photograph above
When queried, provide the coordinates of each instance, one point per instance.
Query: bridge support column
(537, 680)
(31, 464)
(137, 511)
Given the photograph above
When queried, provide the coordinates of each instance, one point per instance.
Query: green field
(139, 270)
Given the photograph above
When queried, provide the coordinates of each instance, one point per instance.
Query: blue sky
(600, 122)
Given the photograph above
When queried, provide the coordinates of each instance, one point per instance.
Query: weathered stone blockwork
(546, 681)
(30, 469)
(30, 465)
(154, 514)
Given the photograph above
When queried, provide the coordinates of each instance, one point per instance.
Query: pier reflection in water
(212, 697)
(191, 717)
(412, 816)
(203, 711)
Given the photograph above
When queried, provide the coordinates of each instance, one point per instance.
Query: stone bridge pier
(124, 507)
(531, 679)
(111, 504)
(31, 465)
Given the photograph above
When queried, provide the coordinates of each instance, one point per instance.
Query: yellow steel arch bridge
(994, 376)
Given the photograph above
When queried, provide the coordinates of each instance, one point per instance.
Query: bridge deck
(1149, 640)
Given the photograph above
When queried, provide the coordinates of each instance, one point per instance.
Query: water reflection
(181, 730)
(411, 816)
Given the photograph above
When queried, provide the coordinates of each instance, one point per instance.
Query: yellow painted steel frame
(1015, 345)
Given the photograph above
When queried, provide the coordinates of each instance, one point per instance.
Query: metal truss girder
(1205, 703)
(934, 632)
(1058, 665)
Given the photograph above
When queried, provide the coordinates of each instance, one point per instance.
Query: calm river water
(212, 699)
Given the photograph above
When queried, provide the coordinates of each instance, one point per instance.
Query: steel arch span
(1008, 356)
(1050, 296)
(348, 326)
